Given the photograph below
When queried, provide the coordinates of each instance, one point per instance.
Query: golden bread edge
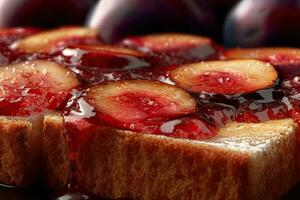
(121, 163)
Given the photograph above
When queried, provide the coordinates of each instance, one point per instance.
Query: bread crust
(19, 151)
(245, 161)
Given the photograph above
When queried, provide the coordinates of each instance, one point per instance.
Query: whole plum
(116, 19)
(263, 23)
(43, 13)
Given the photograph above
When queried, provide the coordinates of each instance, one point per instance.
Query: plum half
(34, 86)
(53, 40)
(225, 77)
(148, 107)
(175, 48)
(285, 60)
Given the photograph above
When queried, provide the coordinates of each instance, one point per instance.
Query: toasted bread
(245, 161)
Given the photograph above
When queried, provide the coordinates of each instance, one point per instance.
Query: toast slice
(245, 161)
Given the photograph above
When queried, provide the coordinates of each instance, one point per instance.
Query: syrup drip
(71, 116)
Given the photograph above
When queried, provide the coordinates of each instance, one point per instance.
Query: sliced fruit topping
(52, 40)
(166, 42)
(174, 48)
(276, 56)
(99, 63)
(105, 57)
(110, 49)
(225, 77)
(34, 86)
(140, 105)
(286, 60)
(130, 101)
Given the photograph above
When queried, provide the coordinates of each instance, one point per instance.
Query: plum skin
(119, 18)
(263, 23)
(41, 13)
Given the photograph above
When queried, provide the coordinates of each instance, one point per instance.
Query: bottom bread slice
(244, 161)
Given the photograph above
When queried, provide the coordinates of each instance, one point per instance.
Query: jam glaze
(213, 111)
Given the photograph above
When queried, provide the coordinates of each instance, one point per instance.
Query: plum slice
(34, 86)
(274, 55)
(140, 105)
(105, 57)
(167, 41)
(128, 101)
(225, 77)
(286, 60)
(99, 63)
(110, 49)
(120, 18)
(49, 41)
(175, 48)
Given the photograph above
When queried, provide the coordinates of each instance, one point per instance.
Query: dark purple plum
(116, 19)
(263, 23)
(42, 13)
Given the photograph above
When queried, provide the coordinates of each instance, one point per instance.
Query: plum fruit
(41, 13)
(119, 18)
(263, 23)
